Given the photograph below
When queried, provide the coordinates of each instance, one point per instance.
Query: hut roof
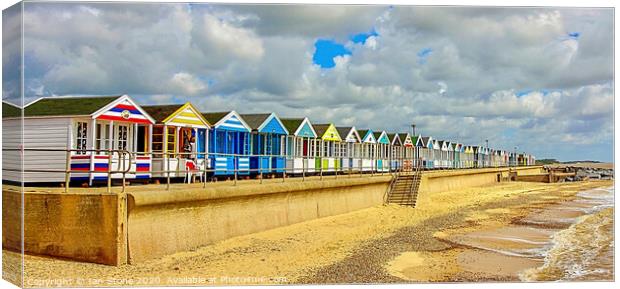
(161, 112)
(54, 106)
(255, 120)
(321, 128)
(214, 117)
(10, 110)
(343, 131)
(403, 136)
(292, 124)
(414, 139)
(362, 132)
(425, 140)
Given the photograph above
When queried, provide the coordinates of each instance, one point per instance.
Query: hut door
(185, 142)
(305, 147)
(142, 139)
(201, 148)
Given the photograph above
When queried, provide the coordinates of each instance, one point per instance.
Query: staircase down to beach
(404, 188)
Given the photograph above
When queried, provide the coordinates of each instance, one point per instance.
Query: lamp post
(487, 152)
(415, 156)
(515, 157)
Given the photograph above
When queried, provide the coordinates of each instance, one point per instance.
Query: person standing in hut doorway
(192, 149)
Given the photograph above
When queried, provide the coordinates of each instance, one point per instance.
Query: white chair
(194, 167)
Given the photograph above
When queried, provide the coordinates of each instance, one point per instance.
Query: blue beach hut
(229, 143)
(268, 143)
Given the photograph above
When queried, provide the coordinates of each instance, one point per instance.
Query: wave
(582, 252)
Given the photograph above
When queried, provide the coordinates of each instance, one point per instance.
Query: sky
(539, 79)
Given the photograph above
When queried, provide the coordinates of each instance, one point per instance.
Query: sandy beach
(505, 232)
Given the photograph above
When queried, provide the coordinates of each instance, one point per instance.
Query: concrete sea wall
(169, 222)
(439, 181)
(84, 227)
(143, 224)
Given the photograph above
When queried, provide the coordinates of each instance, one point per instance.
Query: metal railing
(206, 165)
(126, 167)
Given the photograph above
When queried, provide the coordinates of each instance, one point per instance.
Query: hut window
(171, 141)
(300, 147)
(282, 145)
(230, 144)
(269, 145)
(122, 137)
(158, 140)
(81, 137)
(102, 137)
(347, 151)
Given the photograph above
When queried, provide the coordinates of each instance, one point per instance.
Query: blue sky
(537, 78)
(325, 50)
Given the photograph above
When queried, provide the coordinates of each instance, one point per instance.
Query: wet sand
(379, 244)
(486, 241)
(568, 241)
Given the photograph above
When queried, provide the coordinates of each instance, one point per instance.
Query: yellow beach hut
(179, 139)
(330, 148)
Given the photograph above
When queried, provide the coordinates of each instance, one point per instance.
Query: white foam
(515, 239)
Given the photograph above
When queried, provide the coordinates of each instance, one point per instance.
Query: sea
(585, 250)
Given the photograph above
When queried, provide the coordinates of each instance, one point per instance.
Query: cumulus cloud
(187, 83)
(220, 40)
(510, 75)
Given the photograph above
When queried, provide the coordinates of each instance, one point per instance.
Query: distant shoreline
(583, 165)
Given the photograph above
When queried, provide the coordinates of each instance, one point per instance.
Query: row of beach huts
(99, 137)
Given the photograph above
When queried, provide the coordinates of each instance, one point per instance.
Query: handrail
(397, 164)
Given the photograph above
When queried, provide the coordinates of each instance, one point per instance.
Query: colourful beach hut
(465, 156)
(302, 145)
(383, 151)
(417, 153)
(472, 157)
(450, 155)
(396, 151)
(352, 148)
(440, 149)
(409, 151)
(500, 158)
(481, 155)
(369, 149)
(406, 139)
(425, 145)
(179, 139)
(229, 143)
(105, 134)
(329, 160)
(457, 156)
(437, 156)
(267, 143)
(462, 156)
